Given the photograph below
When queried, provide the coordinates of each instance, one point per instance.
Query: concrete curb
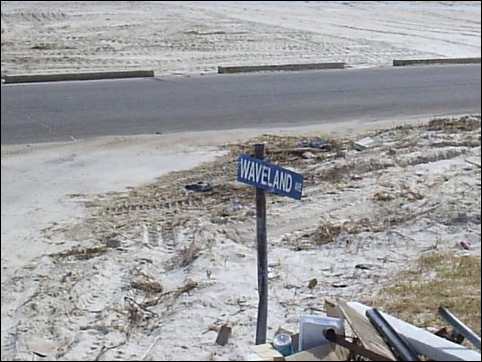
(400, 62)
(77, 76)
(284, 67)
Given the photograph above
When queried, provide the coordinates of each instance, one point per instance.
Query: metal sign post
(264, 176)
(262, 246)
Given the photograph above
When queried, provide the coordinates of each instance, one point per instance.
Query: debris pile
(354, 332)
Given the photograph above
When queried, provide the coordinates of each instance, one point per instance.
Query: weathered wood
(298, 150)
(366, 333)
(425, 343)
(223, 335)
(353, 347)
(326, 352)
(474, 163)
(331, 309)
(264, 352)
(262, 246)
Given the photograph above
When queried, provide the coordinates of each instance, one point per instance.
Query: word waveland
(269, 177)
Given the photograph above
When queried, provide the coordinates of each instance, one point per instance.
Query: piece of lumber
(223, 335)
(297, 150)
(353, 347)
(332, 310)
(326, 352)
(366, 333)
(424, 342)
(474, 163)
(265, 352)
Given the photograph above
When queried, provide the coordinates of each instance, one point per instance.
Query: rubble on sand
(160, 262)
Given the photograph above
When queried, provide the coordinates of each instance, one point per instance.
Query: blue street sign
(269, 177)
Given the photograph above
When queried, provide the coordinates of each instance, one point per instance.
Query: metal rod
(460, 327)
(262, 246)
(399, 346)
(331, 335)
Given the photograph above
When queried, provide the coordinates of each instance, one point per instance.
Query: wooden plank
(223, 335)
(424, 342)
(332, 309)
(474, 163)
(327, 352)
(361, 326)
(265, 352)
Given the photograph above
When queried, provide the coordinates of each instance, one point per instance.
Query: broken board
(366, 333)
(326, 352)
(424, 342)
(264, 352)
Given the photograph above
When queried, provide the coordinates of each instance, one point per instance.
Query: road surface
(44, 112)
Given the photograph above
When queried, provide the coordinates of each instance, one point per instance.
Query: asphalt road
(44, 112)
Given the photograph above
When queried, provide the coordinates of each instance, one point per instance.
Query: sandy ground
(111, 265)
(196, 37)
(37, 179)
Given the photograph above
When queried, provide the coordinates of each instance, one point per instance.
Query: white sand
(196, 37)
(74, 309)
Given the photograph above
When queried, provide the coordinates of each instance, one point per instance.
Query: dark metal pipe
(460, 327)
(399, 346)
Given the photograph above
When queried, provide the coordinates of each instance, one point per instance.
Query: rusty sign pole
(262, 247)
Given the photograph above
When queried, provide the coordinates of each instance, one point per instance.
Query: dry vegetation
(438, 279)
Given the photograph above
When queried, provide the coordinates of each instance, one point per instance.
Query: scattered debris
(318, 143)
(146, 285)
(83, 253)
(339, 285)
(464, 123)
(365, 266)
(133, 314)
(391, 152)
(264, 352)
(308, 155)
(315, 143)
(298, 152)
(283, 344)
(212, 328)
(106, 349)
(465, 244)
(41, 347)
(452, 335)
(184, 257)
(313, 283)
(364, 143)
(326, 233)
(199, 187)
(473, 163)
(372, 336)
(460, 327)
(173, 294)
(334, 211)
(383, 196)
(223, 335)
(112, 243)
